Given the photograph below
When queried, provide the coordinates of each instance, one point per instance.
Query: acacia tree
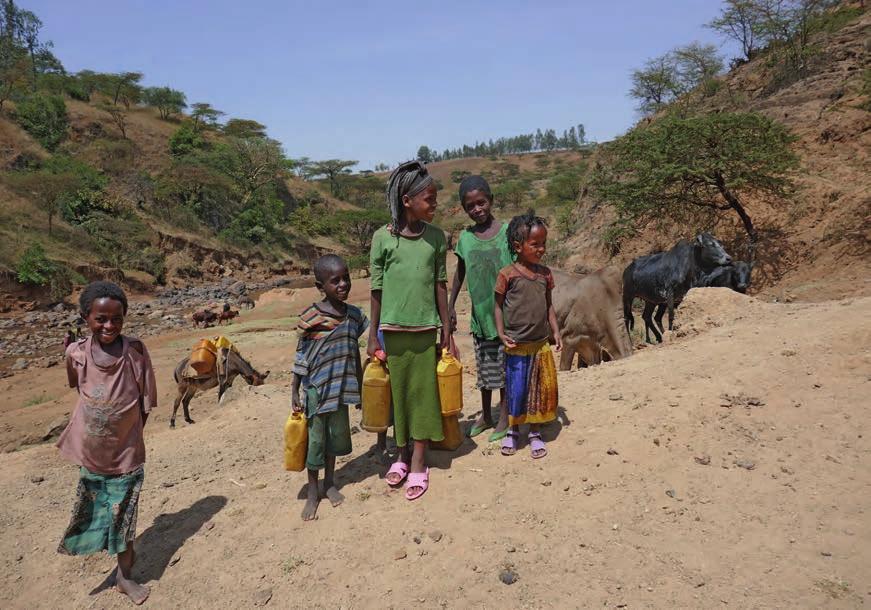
(167, 101)
(332, 169)
(46, 189)
(204, 115)
(119, 117)
(742, 21)
(123, 87)
(655, 85)
(244, 128)
(694, 170)
(358, 226)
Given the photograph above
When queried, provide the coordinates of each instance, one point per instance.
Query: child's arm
(72, 376)
(551, 319)
(457, 284)
(442, 303)
(295, 402)
(500, 325)
(372, 345)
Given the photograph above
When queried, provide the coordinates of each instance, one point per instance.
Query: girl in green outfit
(410, 306)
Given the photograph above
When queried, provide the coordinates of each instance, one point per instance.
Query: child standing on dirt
(327, 366)
(482, 250)
(117, 391)
(524, 314)
(410, 305)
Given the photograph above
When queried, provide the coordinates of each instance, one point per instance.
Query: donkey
(188, 387)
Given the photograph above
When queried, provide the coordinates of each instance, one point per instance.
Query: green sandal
(498, 436)
(476, 430)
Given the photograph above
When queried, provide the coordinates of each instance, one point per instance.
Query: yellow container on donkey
(295, 442)
(450, 376)
(376, 397)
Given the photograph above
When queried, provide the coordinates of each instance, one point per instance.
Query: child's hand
(372, 345)
(452, 315)
(296, 405)
(508, 342)
(558, 343)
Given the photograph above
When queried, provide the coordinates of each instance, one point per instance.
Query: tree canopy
(167, 101)
(694, 170)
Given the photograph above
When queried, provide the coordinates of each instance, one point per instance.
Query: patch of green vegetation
(37, 400)
(832, 21)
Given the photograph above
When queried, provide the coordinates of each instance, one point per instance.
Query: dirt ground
(725, 468)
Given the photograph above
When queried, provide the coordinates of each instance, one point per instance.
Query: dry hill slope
(819, 248)
(723, 468)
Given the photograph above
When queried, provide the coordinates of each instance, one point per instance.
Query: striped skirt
(530, 384)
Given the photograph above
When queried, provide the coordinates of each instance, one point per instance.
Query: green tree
(244, 128)
(511, 193)
(696, 63)
(204, 115)
(167, 101)
(332, 169)
(694, 170)
(742, 21)
(186, 140)
(424, 154)
(655, 85)
(45, 189)
(123, 87)
(358, 226)
(44, 117)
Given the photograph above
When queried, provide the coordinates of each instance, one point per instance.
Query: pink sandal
(400, 468)
(419, 480)
(537, 448)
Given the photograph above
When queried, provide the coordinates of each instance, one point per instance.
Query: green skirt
(104, 517)
(411, 359)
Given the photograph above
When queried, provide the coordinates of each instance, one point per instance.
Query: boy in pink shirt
(115, 381)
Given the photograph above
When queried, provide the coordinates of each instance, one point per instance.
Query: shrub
(186, 140)
(88, 196)
(44, 117)
(35, 268)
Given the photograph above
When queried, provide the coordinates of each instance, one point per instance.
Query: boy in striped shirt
(327, 369)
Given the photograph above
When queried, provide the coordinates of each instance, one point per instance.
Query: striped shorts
(490, 362)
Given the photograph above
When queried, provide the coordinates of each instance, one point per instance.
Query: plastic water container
(376, 397)
(452, 432)
(203, 357)
(450, 377)
(295, 442)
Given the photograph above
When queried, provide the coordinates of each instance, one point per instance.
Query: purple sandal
(537, 448)
(400, 468)
(509, 444)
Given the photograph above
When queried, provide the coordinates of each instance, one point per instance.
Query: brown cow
(589, 311)
(227, 316)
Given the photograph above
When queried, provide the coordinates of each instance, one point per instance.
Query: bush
(186, 140)
(44, 117)
(308, 222)
(33, 267)
(36, 269)
(89, 193)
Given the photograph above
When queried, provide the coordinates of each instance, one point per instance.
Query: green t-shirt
(406, 271)
(484, 258)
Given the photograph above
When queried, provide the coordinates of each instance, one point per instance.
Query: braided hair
(410, 178)
(520, 227)
(101, 290)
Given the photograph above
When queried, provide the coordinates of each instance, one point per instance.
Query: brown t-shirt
(524, 308)
(105, 431)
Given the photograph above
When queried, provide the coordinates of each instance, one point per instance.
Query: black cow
(735, 276)
(665, 278)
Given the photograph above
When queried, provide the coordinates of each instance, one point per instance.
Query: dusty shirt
(483, 258)
(105, 431)
(406, 270)
(524, 310)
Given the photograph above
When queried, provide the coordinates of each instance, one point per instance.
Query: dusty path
(659, 490)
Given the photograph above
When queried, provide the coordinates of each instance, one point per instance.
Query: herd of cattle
(594, 312)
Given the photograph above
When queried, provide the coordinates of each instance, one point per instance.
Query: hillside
(820, 246)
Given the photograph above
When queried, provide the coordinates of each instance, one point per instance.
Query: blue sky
(372, 80)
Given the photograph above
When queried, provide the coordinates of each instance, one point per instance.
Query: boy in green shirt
(482, 250)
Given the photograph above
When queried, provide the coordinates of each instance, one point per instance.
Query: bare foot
(136, 592)
(334, 496)
(310, 510)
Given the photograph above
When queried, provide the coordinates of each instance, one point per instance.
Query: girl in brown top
(115, 381)
(526, 322)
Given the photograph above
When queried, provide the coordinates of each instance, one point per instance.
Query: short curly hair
(101, 290)
(520, 226)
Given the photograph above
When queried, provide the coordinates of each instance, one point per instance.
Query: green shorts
(328, 434)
